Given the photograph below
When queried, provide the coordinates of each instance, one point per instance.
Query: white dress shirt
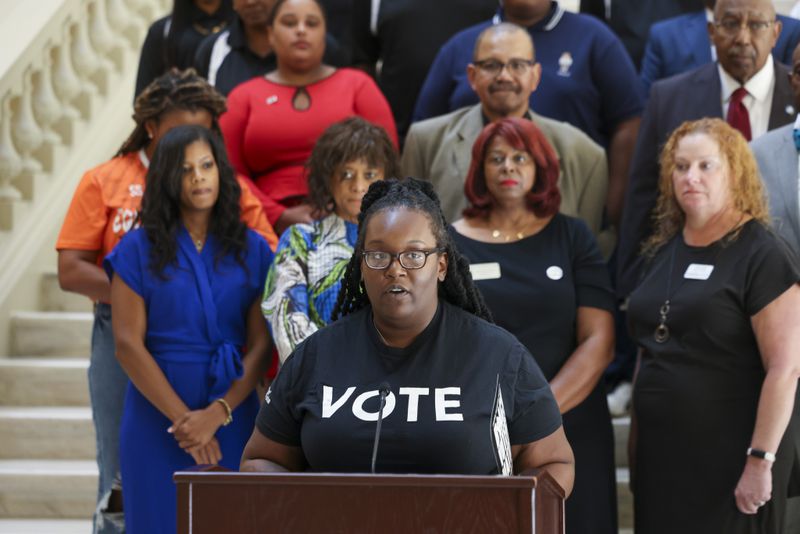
(710, 18)
(758, 101)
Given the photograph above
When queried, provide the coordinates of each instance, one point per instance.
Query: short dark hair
(544, 198)
(345, 141)
(457, 287)
(161, 215)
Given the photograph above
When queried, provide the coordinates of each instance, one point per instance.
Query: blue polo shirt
(588, 79)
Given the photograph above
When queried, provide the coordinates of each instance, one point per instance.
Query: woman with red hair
(545, 281)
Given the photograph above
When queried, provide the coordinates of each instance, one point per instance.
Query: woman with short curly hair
(304, 281)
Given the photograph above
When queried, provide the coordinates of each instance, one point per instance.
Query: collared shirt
(710, 18)
(758, 101)
(527, 115)
(589, 82)
(155, 59)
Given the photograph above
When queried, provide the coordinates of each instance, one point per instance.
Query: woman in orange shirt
(104, 208)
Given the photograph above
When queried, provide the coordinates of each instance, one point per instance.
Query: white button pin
(554, 272)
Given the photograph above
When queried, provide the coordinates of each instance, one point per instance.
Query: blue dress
(196, 327)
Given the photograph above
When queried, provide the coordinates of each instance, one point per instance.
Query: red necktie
(738, 117)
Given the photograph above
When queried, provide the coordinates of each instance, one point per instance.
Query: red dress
(269, 141)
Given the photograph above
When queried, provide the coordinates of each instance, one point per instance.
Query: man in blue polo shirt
(588, 80)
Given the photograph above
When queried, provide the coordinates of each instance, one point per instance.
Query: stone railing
(66, 91)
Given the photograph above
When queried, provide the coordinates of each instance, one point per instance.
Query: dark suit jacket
(688, 96)
(681, 43)
(631, 19)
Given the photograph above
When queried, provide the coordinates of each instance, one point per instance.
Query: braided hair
(175, 90)
(457, 287)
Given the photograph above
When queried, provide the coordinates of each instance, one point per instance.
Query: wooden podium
(243, 503)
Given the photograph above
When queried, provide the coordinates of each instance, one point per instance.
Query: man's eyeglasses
(409, 259)
(516, 66)
(731, 27)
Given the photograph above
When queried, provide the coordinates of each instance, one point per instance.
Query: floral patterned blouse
(304, 280)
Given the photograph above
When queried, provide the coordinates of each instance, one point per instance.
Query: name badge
(698, 271)
(485, 271)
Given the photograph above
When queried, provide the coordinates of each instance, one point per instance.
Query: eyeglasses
(516, 66)
(409, 259)
(498, 160)
(731, 27)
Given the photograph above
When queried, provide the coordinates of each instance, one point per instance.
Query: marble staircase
(48, 476)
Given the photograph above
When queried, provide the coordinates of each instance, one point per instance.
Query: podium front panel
(333, 503)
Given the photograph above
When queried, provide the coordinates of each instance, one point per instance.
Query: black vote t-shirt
(443, 414)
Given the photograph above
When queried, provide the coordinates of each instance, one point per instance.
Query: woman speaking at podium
(459, 394)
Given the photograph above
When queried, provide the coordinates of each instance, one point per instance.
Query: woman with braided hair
(104, 208)
(462, 396)
(304, 280)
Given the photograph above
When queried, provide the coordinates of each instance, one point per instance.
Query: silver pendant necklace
(661, 333)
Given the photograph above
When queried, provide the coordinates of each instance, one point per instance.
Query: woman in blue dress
(186, 293)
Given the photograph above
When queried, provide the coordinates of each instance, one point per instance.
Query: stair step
(622, 427)
(51, 333)
(41, 526)
(624, 499)
(47, 433)
(56, 299)
(45, 489)
(44, 382)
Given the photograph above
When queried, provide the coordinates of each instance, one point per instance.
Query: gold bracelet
(228, 410)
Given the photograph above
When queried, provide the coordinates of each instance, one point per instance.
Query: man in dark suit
(682, 43)
(744, 86)
(631, 19)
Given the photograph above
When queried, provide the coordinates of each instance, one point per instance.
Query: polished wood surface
(214, 502)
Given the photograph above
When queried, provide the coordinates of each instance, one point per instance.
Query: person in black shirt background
(404, 37)
(545, 281)
(631, 19)
(464, 396)
(339, 14)
(172, 41)
(242, 52)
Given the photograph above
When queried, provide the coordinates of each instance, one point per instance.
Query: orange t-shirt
(107, 200)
